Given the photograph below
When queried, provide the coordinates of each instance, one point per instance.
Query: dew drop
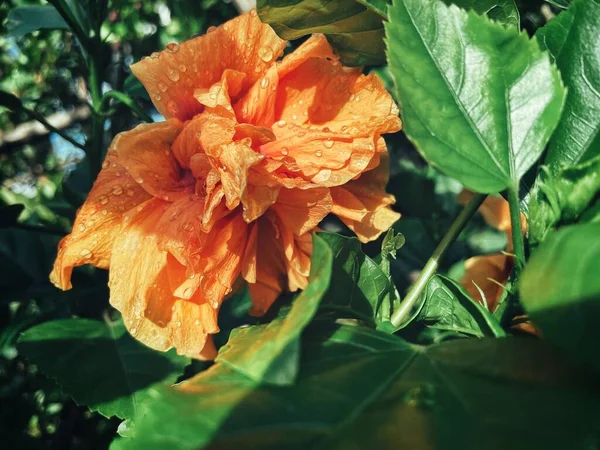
(86, 253)
(301, 102)
(163, 87)
(172, 47)
(154, 55)
(103, 200)
(182, 68)
(197, 322)
(264, 83)
(211, 29)
(284, 151)
(105, 165)
(104, 212)
(81, 227)
(328, 143)
(294, 117)
(139, 180)
(266, 54)
(318, 153)
(253, 12)
(178, 323)
(117, 190)
(173, 106)
(157, 97)
(281, 123)
(173, 74)
(133, 331)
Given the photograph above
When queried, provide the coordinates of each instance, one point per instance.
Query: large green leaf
(360, 285)
(353, 30)
(447, 306)
(478, 100)
(270, 353)
(99, 364)
(560, 289)
(573, 39)
(359, 388)
(25, 19)
(502, 11)
(563, 198)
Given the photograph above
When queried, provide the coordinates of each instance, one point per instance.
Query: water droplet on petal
(103, 200)
(182, 68)
(133, 331)
(328, 143)
(253, 12)
(81, 227)
(86, 253)
(105, 165)
(197, 322)
(139, 180)
(104, 212)
(284, 151)
(281, 123)
(300, 102)
(172, 47)
(211, 29)
(173, 74)
(266, 54)
(154, 55)
(318, 153)
(294, 117)
(264, 83)
(178, 323)
(157, 97)
(163, 87)
(117, 190)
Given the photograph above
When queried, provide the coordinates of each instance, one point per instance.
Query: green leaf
(378, 6)
(447, 306)
(502, 11)
(560, 3)
(360, 284)
(564, 198)
(360, 388)
(353, 30)
(573, 39)
(270, 353)
(99, 364)
(478, 100)
(25, 19)
(560, 289)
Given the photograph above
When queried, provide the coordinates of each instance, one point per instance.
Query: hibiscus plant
(341, 224)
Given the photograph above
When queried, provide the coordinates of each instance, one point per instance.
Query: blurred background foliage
(44, 178)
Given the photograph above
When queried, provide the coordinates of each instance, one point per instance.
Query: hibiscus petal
(366, 195)
(146, 153)
(302, 210)
(98, 221)
(243, 44)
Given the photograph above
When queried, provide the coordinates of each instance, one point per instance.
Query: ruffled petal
(98, 221)
(146, 153)
(363, 205)
(301, 210)
(243, 44)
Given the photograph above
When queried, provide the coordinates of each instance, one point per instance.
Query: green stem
(36, 116)
(515, 221)
(434, 261)
(127, 101)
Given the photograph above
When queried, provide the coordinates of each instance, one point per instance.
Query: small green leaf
(360, 284)
(25, 19)
(378, 6)
(573, 39)
(359, 388)
(502, 11)
(270, 353)
(560, 3)
(564, 198)
(560, 289)
(478, 100)
(392, 242)
(352, 29)
(99, 364)
(447, 306)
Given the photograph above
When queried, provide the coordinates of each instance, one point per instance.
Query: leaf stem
(41, 119)
(434, 261)
(127, 101)
(517, 235)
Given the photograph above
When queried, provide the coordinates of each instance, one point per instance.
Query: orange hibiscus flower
(253, 154)
(490, 272)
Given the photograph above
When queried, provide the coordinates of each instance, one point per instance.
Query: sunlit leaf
(360, 284)
(502, 11)
(573, 39)
(560, 289)
(270, 353)
(563, 198)
(353, 30)
(447, 306)
(99, 364)
(359, 388)
(478, 100)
